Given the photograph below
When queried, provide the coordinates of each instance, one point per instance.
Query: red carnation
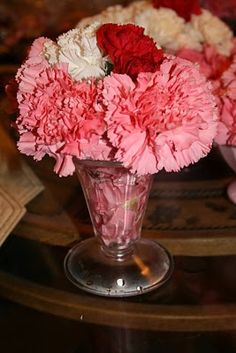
(184, 8)
(130, 51)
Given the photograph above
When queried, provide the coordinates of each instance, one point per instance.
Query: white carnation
(88, 21)
(116, 14)
(163, 25)
(51, 52)
(214, 31)
(113, 14)
(79, 49)
(189, 38)
(137, 7)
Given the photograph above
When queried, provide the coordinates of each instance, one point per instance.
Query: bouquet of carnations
(108, 92)
(185, 29)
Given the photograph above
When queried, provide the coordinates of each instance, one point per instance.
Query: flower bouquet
(107, 102)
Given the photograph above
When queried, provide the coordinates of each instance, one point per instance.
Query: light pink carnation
(166, 119)
(33, 66)
(198, 58)
(221, 70)
(211, 63)
(62, 118)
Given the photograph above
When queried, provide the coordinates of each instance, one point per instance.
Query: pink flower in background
(211, 63)
(198, 58)
(221, 71)
(166, 120)
(59, 117)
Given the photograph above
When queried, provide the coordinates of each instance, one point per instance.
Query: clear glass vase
(116, 262)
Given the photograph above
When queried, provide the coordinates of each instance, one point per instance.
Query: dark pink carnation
(165, 120)
(62, 118)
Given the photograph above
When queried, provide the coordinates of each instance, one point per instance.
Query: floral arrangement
(193, 33)
(108, 92)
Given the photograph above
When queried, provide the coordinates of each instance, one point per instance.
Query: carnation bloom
(214, 32)
(163, 25)
(112, 14)
(61, 118)
(221, 70)
(35, 63)
(168, 29)
(51, 52)
(166, 119)
(118, 43)
(211, 63)
(78, 48)
(183, 8)
(117, 14)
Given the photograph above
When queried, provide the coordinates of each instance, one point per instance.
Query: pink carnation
(166, 119)
(221, 71)
(62, 118)
(211, 63)
(33, 66)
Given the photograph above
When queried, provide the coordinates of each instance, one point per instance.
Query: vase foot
(147, 268)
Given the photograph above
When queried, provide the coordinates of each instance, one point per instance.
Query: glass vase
(116, 262)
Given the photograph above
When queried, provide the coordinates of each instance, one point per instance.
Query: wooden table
(189, 213)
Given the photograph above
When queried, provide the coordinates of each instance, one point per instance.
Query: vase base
(147, 268)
